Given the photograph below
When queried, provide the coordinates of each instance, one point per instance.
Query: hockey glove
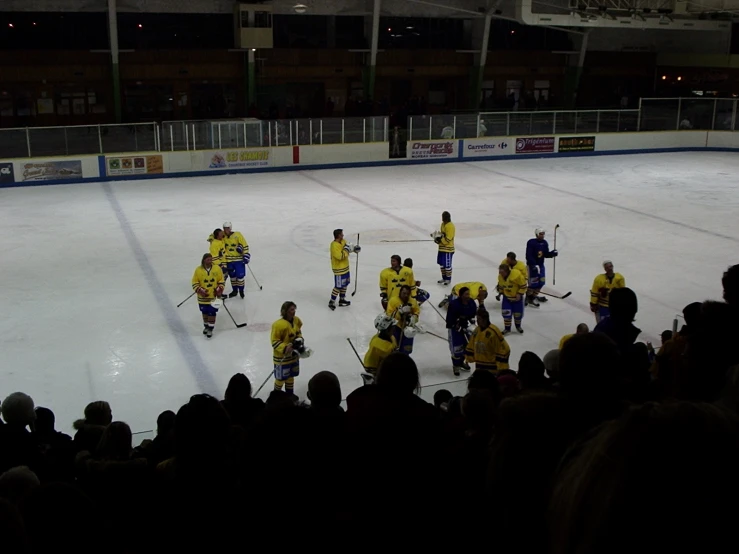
(349, 247)
(405, 310)
(247, 258)
(594, 308)
(554, 253)
(240, 249)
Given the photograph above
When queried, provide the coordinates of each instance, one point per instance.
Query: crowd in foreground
(601, 449)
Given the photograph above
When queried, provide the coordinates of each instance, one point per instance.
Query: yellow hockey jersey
(218, 251)
(339, 257)
(602, 287)
(520, 266)
(208, 279)
(488, 349)
(474, 287)
(564, 339)
(233, 242)
(379, 349)
(514, 285)
(410, 280)
(393, 310)
(447, 237)
(283, 333)
(390, 280)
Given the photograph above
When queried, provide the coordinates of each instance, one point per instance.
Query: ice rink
(92, 273)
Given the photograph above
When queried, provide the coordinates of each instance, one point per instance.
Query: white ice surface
(92, 273)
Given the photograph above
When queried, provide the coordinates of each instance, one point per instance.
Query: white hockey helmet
(226, 224)
(539, 231)
(383, 322)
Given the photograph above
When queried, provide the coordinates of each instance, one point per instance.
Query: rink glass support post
(733, 122)
(342, 130)
(66, 144)
(158, 137)
(679, 109)
(373, 130)
(136, 138)
(477, 130)
(310, 131)
(410, 127)
(171, 139)
(638, 118)
(618, 122)
(245, 141)
(431, 118)
(364, 129)
(386, 130)
(320, 130)
(194, 142)
(713, 119)
(277, 135)
(554, 122)
(290, 124)
(28, 137)
(597, 122)
(219, 137)
(575, 122)
(454, 126)
(100, 139)
(508, 124)
(187, 138)
(269, 133)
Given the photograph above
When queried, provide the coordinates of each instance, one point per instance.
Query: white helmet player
(383, 322)
(226, 224)
(539, 231)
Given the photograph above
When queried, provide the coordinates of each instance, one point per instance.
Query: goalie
(405, 311)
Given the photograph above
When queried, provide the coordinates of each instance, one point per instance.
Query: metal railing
(508, 124)
(78, 140)
(703, 114)
(253, 133)
(654, 114)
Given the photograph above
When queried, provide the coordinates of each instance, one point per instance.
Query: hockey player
(208, 283)
(418, 293)
(237, 257)
(380, 346)
(537, 250)
(512, 285)
(478, 291)
(391, 280)
(511, 260)
(603, 284)
(288, 347)
(405, 311)
(487, 346)
(460, 314)
(218, 251)
(340, 250)
(444, 237)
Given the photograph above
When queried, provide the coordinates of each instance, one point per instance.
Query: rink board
(148, 165)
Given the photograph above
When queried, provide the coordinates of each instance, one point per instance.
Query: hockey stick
(438, 312)
(415, 240)
(356, 353)
(565, 295)
(238, 325)
(554, 262)
(255, 279)
(186, 299)
(356, 270)
(271, 374)
(425, 332)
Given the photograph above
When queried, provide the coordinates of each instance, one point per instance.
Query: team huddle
(471, 335)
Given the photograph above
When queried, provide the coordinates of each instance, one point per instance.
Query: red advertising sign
(532, 145)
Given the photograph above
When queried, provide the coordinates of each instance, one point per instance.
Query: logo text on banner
(52, 171)
(433, 149)
(530, 145)
(135, 165)
(237, 159)
(577, 144)
(7, 175)
(486, 146)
